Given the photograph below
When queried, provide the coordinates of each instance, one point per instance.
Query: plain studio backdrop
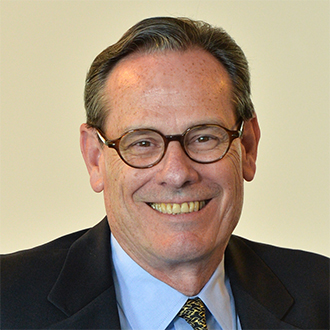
(46, 50)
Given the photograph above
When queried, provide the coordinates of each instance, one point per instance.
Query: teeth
(191, 207)
(175, 208)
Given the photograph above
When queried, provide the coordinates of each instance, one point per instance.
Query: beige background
(46, 50)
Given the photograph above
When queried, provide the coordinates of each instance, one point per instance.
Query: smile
(174, 208)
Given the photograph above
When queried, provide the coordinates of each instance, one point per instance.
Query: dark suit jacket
(67, 284)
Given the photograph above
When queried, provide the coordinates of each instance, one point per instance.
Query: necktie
(193, 312)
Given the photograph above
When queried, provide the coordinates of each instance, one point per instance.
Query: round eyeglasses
(144, 148)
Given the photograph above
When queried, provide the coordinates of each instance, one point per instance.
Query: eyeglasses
(144, 148)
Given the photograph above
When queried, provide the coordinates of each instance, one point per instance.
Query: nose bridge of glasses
(175, 138)
(178, 138)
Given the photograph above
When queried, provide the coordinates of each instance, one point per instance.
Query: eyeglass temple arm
(100, 136)
(241, 128)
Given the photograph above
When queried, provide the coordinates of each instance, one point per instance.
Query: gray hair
(168, 33)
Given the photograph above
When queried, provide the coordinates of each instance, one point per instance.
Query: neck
(190, 283)
(187, 278)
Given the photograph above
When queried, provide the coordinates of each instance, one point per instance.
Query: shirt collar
(217, 299)
(141, 296)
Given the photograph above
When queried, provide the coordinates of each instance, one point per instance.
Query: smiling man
(171, 135)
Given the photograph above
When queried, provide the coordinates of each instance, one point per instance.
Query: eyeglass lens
(204, 144)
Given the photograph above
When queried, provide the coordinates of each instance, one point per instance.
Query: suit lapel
(84, 290)
(254, 315)
(100, 313)
(261, 299)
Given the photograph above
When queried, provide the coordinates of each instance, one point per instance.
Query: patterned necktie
(193, 312)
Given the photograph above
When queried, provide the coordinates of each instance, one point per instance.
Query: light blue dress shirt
(146, 303)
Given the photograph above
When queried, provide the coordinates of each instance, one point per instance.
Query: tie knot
(193, 312)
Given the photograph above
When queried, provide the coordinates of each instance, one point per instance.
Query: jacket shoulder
(39, 258)
(287, 261)
(305, 276)
(27, 277)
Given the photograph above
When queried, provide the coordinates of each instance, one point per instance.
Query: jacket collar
(261, 299)
(84, 290)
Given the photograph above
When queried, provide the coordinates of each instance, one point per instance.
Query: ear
(92, 152)
(250, 141)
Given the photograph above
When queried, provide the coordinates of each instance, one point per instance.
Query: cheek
(234, 158)
(231, 183)
(236, 186)
(113, 174)
(228, 171)
(121, 183)
(115, 194)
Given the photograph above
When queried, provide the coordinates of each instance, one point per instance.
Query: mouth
(174, 208)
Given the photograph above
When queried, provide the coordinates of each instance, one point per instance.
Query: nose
(176, 169)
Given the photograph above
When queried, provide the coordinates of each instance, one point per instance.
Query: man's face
(171, 92)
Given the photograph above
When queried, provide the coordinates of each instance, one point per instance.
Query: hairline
(155, 35)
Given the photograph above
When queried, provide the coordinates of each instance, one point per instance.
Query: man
(171, 134)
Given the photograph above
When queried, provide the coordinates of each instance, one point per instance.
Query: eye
(139, 139)
(143, 144)
(205, 138)
(200, 140)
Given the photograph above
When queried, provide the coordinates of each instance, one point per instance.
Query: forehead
(188, 86)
